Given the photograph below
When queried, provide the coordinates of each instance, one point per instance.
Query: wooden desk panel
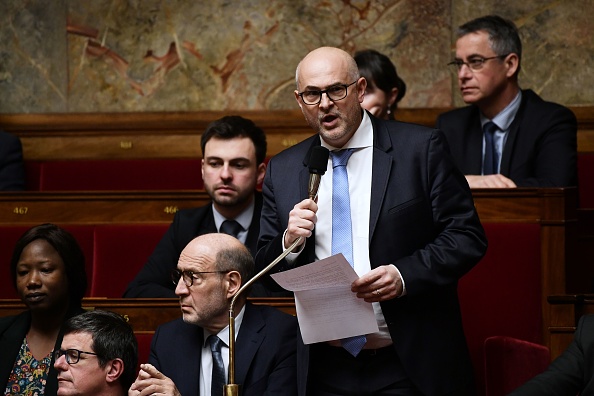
(96, 207)
(555, 211)
(145, 314)
(176, 134)
(549, 206)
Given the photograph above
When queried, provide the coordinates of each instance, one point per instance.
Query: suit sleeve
(565, 376)
(555, 151)
(282, 380)
(448, 234)
(12, 168)
(273, 222)
(153, 355)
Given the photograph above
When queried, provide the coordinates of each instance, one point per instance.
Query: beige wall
(70, 56)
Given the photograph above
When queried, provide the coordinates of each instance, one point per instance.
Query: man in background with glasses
(406, 212)
(507, 137)
(189, 356)
(98, 356)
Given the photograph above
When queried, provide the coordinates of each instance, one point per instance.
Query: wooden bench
(96, 207)
(144, 315)
(162, 150)
(528, 259)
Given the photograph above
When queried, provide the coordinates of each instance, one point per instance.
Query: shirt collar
(224, 334)
(244, 219)
(506, 116)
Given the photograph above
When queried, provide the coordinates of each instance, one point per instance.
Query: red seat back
(501, 296)
(120, 252)
(121, 175)
(510, 362)
(144, 347)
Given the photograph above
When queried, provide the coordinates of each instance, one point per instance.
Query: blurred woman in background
(384, 87)
(48, 271)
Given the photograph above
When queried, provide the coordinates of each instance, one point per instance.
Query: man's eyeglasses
(334, 93)
(190, 276)
(72, 355)
(475, 64)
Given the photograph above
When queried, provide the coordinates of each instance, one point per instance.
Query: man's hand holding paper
(327, 309)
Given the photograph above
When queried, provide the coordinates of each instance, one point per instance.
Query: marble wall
(177, 55)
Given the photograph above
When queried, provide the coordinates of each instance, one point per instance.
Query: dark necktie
(218, 369)
(342, 235)
(231, 227)
(491, 159)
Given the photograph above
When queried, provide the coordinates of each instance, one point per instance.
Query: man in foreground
(395, 205)
(189, 356)
(98, 356)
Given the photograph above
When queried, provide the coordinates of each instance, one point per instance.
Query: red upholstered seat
(501, 295)
(10, 234)
(510, 362)
(120, 251)
(144, 347)
(32, 175)
(121, 174)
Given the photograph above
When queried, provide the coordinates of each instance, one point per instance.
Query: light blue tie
(342, 237)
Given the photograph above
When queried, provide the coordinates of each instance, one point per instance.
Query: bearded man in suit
(234, 151)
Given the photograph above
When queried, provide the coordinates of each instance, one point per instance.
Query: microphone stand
(231, 388)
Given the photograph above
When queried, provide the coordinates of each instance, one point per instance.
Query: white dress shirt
(359, 169)
(206, 356)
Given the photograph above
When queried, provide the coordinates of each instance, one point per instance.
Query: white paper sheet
(326, 307)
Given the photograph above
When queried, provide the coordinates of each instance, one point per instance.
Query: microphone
(317, 164)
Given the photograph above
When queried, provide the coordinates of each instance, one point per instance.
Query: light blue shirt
(503, 120)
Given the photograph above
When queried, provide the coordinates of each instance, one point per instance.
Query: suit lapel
(474, 144)
(191, 366)
(380, 173)
(512, 136)
(249, 340)
(303, 183)
(251, 240)
(207, 225)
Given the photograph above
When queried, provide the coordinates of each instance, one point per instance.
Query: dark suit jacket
(541, 148)
(154, 279)
(12, 332)
(423, 221)
(571, 373)
(12, 169)
(264, 355)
